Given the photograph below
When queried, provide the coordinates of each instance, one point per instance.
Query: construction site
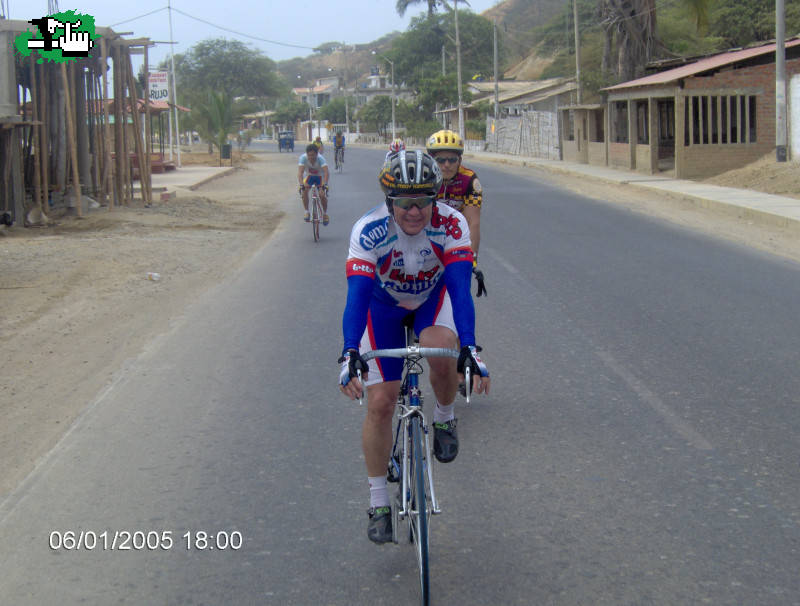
(75, 134)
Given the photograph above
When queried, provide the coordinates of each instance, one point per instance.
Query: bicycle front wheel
(316, 217)
(419, 513)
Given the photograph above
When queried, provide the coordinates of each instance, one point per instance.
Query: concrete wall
(619, 155)
(644, 158)
(570, 151)
(597, 153)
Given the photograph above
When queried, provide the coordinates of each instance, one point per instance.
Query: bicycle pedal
(393, 473)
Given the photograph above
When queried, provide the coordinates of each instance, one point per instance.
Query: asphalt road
(639, 445)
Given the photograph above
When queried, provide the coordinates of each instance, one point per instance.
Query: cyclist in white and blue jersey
(408, 257)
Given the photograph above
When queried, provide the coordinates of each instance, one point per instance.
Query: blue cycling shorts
(313, 180)
(385, 330)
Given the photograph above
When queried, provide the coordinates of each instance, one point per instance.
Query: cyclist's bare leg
(323, 197)
(376, 435)
(305, 199)
(444, 379)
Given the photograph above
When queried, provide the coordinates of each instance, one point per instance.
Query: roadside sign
(158, 85)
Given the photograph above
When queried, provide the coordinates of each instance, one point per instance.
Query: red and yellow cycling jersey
(462, 190)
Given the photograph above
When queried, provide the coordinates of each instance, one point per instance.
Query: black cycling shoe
(445, 441)
(379, 529)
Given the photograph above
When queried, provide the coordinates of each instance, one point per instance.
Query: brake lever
(360, 400)
(467, 382)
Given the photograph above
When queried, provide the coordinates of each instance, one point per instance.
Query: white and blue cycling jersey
(313, 171)
(382, 289)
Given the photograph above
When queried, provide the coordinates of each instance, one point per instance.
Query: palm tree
(216, 118)
(402, 5)
(633, 24)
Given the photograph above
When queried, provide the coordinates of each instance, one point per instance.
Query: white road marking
(673, 420)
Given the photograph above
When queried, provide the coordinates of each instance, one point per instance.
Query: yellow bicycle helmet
(445, 140)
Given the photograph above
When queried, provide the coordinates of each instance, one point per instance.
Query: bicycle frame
(415, 454)
(409, 402)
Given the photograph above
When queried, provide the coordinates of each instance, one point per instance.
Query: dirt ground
(77, 303)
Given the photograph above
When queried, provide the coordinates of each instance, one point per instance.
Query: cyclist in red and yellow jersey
(460, 188)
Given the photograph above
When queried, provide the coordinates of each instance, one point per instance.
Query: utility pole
(496, 76)
(780, 82)
(458, 75)
(577, 50)
(174, 89)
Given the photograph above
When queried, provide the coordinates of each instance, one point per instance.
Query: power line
(232, 31)
(241, 33)
(158, 10)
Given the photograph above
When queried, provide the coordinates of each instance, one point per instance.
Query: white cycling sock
(378, 492)
(443, 414)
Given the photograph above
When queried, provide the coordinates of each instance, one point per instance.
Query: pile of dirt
(765, 175)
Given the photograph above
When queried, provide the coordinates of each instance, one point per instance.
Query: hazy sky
(283, 23)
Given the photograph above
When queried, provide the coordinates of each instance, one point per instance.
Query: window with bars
(720, 119)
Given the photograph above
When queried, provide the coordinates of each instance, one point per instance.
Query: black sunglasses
(450, 159)
(406, 202)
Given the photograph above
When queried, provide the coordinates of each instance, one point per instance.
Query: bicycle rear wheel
(419, 513)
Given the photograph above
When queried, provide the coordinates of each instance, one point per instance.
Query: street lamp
(392, 64)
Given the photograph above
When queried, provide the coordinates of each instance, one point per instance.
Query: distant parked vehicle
(286, 141)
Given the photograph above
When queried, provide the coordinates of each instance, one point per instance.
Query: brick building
(695, 120)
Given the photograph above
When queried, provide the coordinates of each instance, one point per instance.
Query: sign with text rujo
(158, 84)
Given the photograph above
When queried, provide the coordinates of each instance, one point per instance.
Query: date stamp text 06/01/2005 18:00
(140, 540)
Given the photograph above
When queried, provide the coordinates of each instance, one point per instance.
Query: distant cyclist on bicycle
(408, 257)
(313, 170)
(338, 144)
(460, 188)
(395, 146)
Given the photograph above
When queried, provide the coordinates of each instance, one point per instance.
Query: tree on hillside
(417, 53)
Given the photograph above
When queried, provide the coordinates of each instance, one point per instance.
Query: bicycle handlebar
(405, 352)
(419, 352)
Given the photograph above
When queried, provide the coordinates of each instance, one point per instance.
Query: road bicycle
(338, 159)
(411, 464)
(315, 210)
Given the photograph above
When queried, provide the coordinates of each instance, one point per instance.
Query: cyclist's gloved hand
(351, 362)
(481, 285)
(469, 358)
(301, 189)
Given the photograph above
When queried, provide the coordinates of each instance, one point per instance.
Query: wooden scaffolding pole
(37, 142)
(43, 134)
(144, 175)
(106, 128)
(71, 144)
(119, 173)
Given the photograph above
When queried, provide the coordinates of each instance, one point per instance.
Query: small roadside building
(514, 99)
(695, 120)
